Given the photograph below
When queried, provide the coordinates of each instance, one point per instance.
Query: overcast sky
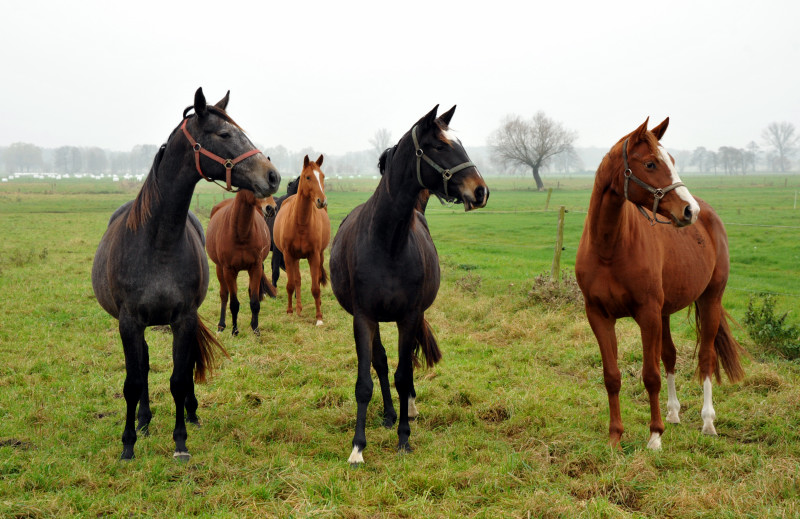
(327, 75)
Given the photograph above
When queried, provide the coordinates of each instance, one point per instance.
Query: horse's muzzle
(321, 204)
(477, 199)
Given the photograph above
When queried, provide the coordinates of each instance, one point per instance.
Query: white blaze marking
(450, 135)
(655, 442)
(707, 413)
(673, 406)
(681, 191)
(355, 457)
(319, 182)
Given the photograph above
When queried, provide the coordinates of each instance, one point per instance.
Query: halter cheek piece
(228, 163)
(657, 192)
(447, 174)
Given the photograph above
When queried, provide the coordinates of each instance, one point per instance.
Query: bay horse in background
(276, 260)
(384, 266)
(151, 267)
(303, 231)
(628, 266)
(238, 239)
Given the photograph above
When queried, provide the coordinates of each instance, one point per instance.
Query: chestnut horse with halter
(384, 266)
(151, 268)
(302, 231)
(627, 266)
(238, 239)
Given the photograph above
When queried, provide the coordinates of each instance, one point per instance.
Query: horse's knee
(364, 390)
(613, 382)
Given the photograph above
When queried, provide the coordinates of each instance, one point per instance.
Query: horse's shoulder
(217, 208)
(192, 219)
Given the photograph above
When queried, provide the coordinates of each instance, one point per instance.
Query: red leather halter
(228, 163)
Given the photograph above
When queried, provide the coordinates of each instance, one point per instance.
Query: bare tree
(381, 140)
(781, 136)
(531, 143)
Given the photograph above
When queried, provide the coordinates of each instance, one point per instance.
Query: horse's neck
(242, 214)
(606, 216)
(176, 183)
(303, 209)
(394, 204)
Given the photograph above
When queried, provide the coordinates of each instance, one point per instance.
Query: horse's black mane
(385, 158)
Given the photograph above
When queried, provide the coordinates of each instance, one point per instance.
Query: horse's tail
(266, 288)
(727, 348)
(207, 348)
(323, 275)
(426, 341)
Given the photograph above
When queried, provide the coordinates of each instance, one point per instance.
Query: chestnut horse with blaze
(302, 231)
(238, 239)
(627, 266)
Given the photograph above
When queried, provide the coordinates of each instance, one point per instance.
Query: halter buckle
(228, 164)
(658, 194)
(420, 153)
(627, 173)
(446, 174)
(197, 146)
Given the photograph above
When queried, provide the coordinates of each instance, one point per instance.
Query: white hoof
(319, 322)
(412, 408)
(356, 457)
(708, 428)
(673, 416)
(655, 442)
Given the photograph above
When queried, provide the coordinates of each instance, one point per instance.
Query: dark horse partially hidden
(151, 267)
(277, 261)
(384, 266)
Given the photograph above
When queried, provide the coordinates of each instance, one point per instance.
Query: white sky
(327, 75)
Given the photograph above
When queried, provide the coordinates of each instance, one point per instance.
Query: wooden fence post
(555, 271)
(547, 203)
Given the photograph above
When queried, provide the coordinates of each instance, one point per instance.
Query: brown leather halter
(657, 192)
(228, 163)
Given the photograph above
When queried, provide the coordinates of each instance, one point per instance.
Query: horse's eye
(650, 165)
(224, 134)
(308, 177)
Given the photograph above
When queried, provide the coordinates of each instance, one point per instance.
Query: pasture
(513, 422)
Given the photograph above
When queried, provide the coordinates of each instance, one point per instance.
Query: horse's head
(222, 151)
(443, 165)
(312, 182)
(268, 206)
(649, 177)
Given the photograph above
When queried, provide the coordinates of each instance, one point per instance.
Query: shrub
(547, 291)
(769, 330)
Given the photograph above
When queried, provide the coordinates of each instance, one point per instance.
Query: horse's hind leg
(709, 314)
(277, 257)
(132, 335)
(603, 328)
(292, 283)
(184, 343)
(255, 272)
(223, 296)
(315, 267)
(381, 365)
(191, 405)
(145, 415)
(363, 331)
(230, 284)
(668, 357)
(408, 330)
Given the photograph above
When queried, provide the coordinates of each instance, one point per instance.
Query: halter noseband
(447, 174)
(657, 192)
(228, 163)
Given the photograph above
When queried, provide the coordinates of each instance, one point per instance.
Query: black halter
(446, 173)
(657, 192)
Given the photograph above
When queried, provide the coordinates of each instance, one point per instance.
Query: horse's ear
(661, 129)
(223, 103)
(305, 162)
(319, 160)
(428, 119)
(200, 106)
(638, 133)
(445, 117)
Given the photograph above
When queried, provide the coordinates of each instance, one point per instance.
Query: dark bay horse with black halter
(238, 239)
(628, 266)
(384, 266)
(151, 267)
(276, 260)
(302, 231)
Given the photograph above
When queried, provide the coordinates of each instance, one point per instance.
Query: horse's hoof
(709, 429)
(356, 458)
(404, 448)
(182, 456)
(655, 442)
(127, 453)
(220, 328)
(235, 332)
(389, 421)
(144, 429)
(256, 332)
(319, 322)
(194, 420)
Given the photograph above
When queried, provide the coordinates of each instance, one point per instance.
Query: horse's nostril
(687, 213)
(274, 178)
(480, 194)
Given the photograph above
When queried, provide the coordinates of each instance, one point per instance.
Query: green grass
(513, 420)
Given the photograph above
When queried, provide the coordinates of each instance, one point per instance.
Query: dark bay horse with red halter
(384, 266)
(151, 267)
(628, 266)
(302, 231)
(238, 239)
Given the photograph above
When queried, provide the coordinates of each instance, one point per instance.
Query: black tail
(207, 348)
(426, 342)
(266, 288)
(323, 275)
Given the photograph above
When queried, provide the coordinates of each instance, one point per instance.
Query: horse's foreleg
(292, 277)
(381, 365)
(145, 415)
(230, 283)
(603, 328)
(184, 346)
(315, 267)
(668, 357)
(404, 375)
(132, 335)
(256, 272)
(277, 258)
(709, 311)
(223, 296)
(363, 331)
(649, 321)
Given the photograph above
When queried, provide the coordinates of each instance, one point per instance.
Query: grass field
(513, 420)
